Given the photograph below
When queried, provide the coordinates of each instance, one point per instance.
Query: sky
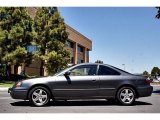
(125, 37)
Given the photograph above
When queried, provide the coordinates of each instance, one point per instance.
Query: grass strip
(4, 83)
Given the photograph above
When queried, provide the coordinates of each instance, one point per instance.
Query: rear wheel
(126, 95)
(39, 96)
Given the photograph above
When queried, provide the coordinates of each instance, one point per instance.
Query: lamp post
(123, 66)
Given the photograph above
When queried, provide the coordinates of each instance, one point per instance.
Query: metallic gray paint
(84, 87)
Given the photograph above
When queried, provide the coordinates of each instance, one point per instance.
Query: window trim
(85, 65)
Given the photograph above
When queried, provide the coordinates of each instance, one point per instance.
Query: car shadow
(78, 103)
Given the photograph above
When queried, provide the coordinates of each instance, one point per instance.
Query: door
(109, 79)
(82, 82)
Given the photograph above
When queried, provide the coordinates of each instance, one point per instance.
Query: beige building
(77, 44)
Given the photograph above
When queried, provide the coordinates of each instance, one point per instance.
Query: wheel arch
(128, 85)
(40, 85)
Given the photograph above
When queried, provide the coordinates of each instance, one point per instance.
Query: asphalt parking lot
(143, 105)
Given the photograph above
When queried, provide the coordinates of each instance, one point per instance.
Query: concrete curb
(4, 89)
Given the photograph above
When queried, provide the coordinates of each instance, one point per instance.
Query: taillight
(148, 81)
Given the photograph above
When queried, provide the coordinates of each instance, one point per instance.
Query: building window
(87, 53)
(80, 61)
(51, 11)
(32, 48)
(80, 49)
(69, 44)
(72, 60)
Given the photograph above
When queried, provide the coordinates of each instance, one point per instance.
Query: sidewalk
(4, 89)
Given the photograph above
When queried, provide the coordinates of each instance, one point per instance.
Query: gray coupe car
(84, 81)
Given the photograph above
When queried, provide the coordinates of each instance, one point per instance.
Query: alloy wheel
(39, 96)
(126, 96)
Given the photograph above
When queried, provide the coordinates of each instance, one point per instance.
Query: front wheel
(126, 95)
(39, 96)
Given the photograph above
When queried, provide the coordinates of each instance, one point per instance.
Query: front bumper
(18, 93)
(145, 91)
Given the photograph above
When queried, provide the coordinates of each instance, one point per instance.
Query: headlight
(18, 84)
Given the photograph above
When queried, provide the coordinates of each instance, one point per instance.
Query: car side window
(104, 70)
(84, 70)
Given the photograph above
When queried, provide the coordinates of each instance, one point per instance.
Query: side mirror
(67, 73)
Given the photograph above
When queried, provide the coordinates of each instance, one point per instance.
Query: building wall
(75, 37)
(34, 68)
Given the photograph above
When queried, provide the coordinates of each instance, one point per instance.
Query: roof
(75, 36)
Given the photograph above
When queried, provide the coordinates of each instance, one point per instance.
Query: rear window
(104, 70)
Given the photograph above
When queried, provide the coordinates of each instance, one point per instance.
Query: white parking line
(6, 98)
(4, 89)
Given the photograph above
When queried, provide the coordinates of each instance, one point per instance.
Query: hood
(40, 79)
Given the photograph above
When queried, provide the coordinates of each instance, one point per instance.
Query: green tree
(16, 33)
(155, 71)
(145, 73)
(99, 61)
(52, 36)
(2, 70)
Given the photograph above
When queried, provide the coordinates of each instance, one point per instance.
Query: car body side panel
(144, 91)
(80, 87)
(110, 84)
(76, 87)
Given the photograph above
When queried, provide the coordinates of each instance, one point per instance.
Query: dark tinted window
(104, 70)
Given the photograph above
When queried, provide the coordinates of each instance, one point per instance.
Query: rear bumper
(144, 91)
(18, 93)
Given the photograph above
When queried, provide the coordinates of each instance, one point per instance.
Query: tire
(126, 95)
(39, 96)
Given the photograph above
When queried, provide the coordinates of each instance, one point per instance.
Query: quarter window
(104, 70)
(84, 70)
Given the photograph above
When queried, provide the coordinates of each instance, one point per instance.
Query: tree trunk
(15, 69)
(24, 68)
(41, 68)
(8, 72)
